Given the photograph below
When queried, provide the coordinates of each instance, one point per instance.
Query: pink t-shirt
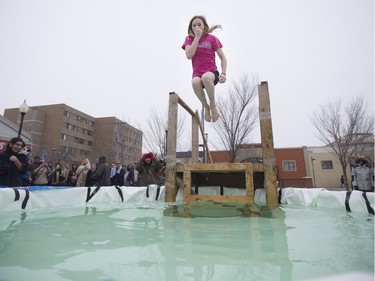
(204, 58)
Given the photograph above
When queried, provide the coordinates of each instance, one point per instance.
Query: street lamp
(24, 108)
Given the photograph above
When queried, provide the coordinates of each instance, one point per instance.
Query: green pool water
(155, 241)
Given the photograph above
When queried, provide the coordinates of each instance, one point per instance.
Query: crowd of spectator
(17, 169)
(148, 170)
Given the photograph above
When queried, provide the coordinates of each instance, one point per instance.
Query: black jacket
(9, 173)
(101, 176)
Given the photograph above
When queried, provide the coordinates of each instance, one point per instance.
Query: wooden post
(195, 139)
(269, 162)
(170, 171)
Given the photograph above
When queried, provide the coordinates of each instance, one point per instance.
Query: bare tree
(345, 129)
(238, 114)
(155, 136)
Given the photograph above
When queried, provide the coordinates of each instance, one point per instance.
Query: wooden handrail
(184, 105)
(194, 115)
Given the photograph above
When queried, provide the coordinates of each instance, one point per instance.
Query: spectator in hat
(148, 168)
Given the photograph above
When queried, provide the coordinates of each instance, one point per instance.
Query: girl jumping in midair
(201, 47)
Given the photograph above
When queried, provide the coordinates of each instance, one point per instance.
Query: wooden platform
(236, 175)
(225, 174)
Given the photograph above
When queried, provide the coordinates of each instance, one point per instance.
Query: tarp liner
(45, 196)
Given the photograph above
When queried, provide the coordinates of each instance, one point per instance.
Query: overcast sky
(122, 58)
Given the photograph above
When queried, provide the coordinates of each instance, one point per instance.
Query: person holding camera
(148, 168)
(41, 173)
(58, 175)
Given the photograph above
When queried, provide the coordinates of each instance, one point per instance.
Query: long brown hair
(13, 141)
(206, 29)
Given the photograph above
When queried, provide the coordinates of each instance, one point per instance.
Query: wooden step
(239, 175)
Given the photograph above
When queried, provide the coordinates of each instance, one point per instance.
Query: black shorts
(216, 73)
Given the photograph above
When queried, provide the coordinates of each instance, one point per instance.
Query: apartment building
(118, 140)
(59, 131)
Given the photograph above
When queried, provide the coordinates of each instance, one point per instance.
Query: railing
(196, 124)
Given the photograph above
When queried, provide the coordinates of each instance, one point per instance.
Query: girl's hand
(198, 32)
(222, 78)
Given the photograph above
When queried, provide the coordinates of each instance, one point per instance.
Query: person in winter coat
(117, 174)
(41, 173)
(89, 180)
(12, 164)
(82, 172)
(72, 177)
(101, 176)
(148, 168)
(32, 166)
(131, 176)
(363, 175)
(58, 177)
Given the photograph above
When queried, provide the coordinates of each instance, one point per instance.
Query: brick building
(291, 167)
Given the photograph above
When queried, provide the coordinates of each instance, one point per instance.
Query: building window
(69, 150)
(71, 127)
(326, 164)
(64, 137)
(89, 143)
(66, 113)
(289, 165)
(79, 140)
(85, 152)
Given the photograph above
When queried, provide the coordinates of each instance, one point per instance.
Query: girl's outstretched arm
(223, 59)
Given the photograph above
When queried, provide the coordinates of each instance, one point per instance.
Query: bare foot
(215, 114)
(207, 115)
